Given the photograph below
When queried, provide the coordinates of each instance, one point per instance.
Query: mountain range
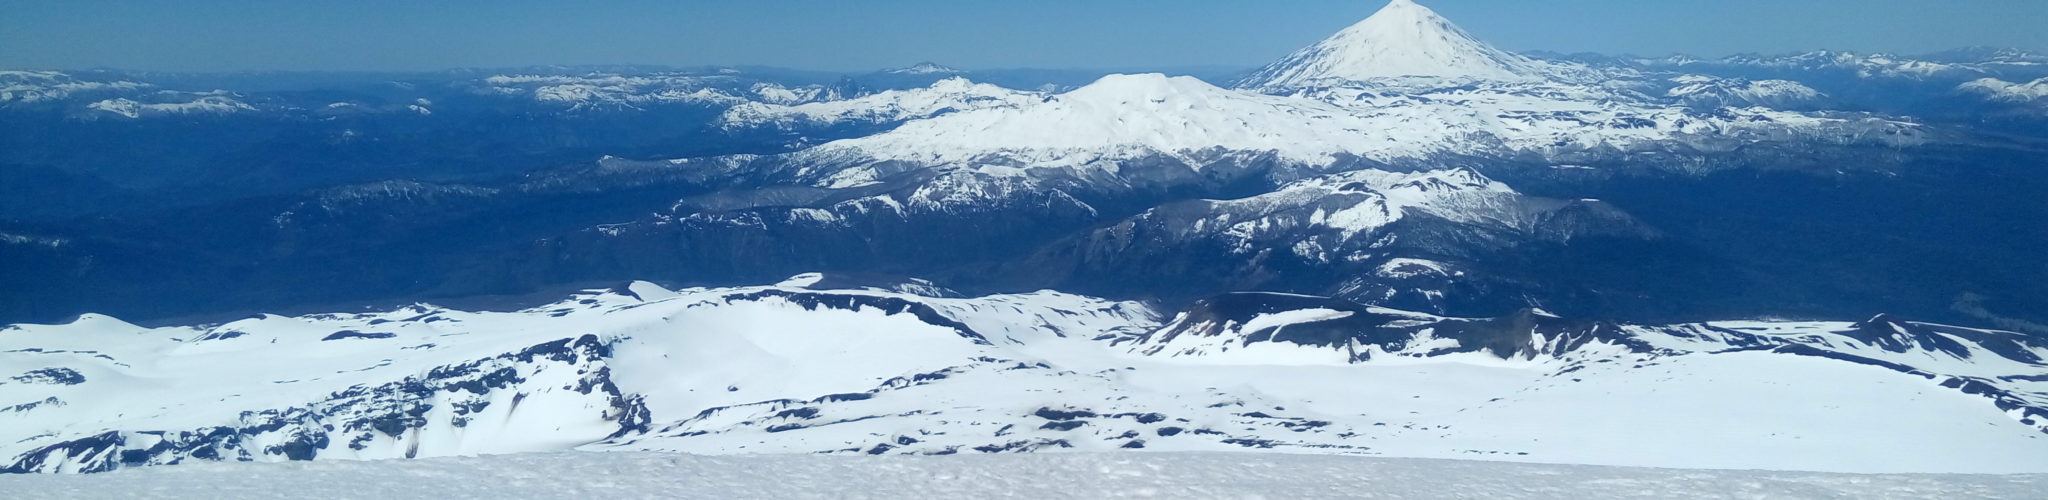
(1398, 241)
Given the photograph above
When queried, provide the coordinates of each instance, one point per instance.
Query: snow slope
(1075, 475)
(808, 367)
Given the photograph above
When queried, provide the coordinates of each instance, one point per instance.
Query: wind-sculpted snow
(802, 367)
(429, 405)
(1033, 476)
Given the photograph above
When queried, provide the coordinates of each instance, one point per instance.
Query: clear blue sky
(211, 35)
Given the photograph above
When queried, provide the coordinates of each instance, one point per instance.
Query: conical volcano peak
(1404, 4)
(1403, 39)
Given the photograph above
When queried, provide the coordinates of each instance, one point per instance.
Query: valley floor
(1044, 475)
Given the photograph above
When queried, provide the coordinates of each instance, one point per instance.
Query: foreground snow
(812, 365)
(1070, 475)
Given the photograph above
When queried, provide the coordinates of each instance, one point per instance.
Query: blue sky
(213, 35)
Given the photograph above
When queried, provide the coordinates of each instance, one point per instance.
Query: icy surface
(1077, 475)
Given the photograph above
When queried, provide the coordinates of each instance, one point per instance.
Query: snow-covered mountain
(2001, 90)
(97, 96)
(712, 163)
(924, 68)
(1955, 65)
(1377, 237)
(1403, 39)
(616, 91)
(885, 107)
(1401, 86)
(1217, 188)
(1127, 118)
(1488, 255)
(1865, 65)
(808, 366)
(174, 103)
(1711, 92)
(1116, 118)
(40, 86)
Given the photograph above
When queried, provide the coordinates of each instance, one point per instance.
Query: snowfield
(815, 365)
(1071, 475)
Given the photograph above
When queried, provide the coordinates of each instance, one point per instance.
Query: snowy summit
(1403, 39)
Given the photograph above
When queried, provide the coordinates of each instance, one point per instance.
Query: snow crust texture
(1077, 475)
